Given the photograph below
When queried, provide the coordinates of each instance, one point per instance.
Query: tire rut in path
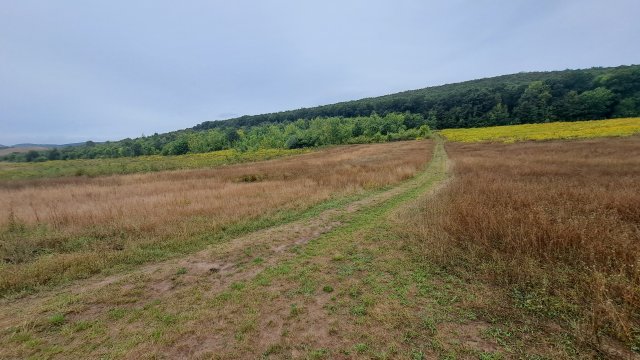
(216, 267)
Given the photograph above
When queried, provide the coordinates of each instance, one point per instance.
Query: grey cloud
(75, 70)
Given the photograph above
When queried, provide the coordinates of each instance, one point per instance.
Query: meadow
(546, 131)
(62, 229)
(489, 250)
(129, 165)
(554, 224)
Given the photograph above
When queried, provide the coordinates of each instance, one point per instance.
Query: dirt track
(214, 268)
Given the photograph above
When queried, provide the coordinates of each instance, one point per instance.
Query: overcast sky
(78, 70)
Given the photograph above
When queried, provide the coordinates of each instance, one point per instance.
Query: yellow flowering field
(546, 131)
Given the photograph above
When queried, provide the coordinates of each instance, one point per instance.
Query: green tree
(596, 103)
(53, 154)
(31, 155)
(136, 148)
(432, 118)
(177, 147)
(568, 108)
(628, 107)
(534, 104)
(413, 121)
(499, 114)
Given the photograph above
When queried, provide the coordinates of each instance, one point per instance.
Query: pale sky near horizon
(74, 70)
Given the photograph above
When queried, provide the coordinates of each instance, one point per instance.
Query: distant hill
(26, 147)
(583, 94)
(48, 146)
(23, 148)
(29, 145)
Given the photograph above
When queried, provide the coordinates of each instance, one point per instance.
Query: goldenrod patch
(546, 131)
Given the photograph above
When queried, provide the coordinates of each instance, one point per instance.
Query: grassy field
(140, 164)
(554, 224)
(510, 251)
(354, 281)
(546, 131)
(61, 229)
(172, 308)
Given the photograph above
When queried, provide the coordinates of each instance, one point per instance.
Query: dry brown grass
(556, 223)
(71, 227)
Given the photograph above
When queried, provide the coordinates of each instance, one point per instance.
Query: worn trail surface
(86, 307)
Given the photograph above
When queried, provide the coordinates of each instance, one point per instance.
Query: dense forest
(567, 95)
(596, 93)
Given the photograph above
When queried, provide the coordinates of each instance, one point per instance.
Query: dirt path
(218, 266)
(351, 282)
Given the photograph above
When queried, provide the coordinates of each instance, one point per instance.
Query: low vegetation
(349, 282)
(546, 131)
(554, 224)
(528, 250)
(310, 295)
(141, 164)
(60, 229)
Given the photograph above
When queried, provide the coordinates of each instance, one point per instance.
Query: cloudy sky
(77, 70)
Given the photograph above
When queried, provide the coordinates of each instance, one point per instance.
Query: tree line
(568, 95)
(287, 135)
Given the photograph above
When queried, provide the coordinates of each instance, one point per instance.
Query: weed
(358, 310)
(417, 355)
(116, 313)
(81, 326)
(338, 257)
(319, 354)
(360, 348)
(499, 335)
(327, 289)
(273, 349)
(237, 286)
(166, 319)
(490, 356)
(429, 324)
(295, 310)
(355, 292)
(56, 319)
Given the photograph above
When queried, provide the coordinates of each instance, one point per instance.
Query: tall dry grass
(72, 227)
(556, 223)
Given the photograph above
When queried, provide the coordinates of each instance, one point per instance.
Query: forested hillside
(569, 95)
(589, 94)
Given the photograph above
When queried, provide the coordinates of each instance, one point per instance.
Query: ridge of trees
(529, 97)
